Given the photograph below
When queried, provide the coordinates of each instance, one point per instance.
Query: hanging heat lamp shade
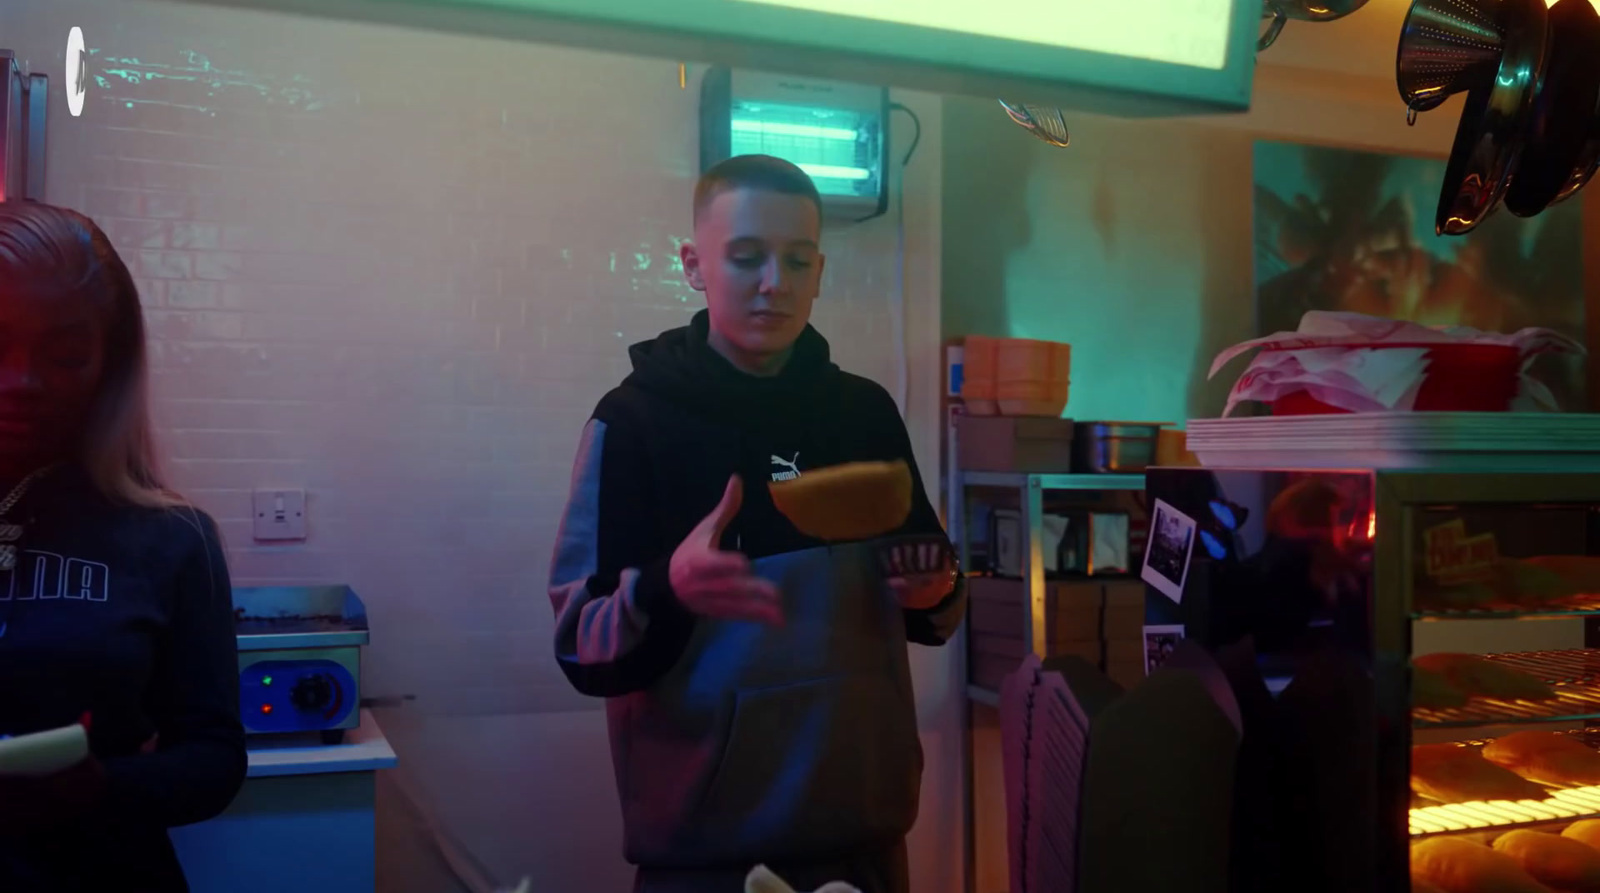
(1278, 13)
(1448, 47)
(1495, 51)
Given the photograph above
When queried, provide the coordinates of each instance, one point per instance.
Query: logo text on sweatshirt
(44, 575)
(791, 466)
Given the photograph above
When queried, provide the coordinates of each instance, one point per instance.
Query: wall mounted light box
(836, 132)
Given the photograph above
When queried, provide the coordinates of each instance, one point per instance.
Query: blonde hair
(62, 251)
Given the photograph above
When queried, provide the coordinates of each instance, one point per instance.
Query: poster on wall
(1337, 229)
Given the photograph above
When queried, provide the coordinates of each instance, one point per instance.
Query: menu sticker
(1167, 550)
(1450, 556)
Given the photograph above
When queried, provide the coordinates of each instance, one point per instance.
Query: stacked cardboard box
(1100, 621)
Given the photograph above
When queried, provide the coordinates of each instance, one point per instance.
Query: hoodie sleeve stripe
(618, 627)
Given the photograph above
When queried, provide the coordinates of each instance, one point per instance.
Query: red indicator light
(266, 708)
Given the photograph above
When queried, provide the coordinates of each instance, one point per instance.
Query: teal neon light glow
(832, 145)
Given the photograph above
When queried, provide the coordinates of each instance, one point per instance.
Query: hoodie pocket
(815, 766)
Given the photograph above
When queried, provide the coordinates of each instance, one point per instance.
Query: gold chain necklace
(11, 533)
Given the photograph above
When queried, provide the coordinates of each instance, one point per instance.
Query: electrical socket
(279, 515)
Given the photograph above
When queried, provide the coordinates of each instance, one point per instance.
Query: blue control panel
(295, 695)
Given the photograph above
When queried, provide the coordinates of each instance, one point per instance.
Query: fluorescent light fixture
(835, 132)
(803, 131)
(833, 172)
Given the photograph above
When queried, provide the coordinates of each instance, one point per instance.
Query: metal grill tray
(1570, 607)
(288, 617)
(1566, 804)
(1575, 675)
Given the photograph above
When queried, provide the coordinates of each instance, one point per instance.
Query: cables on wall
(897, 306)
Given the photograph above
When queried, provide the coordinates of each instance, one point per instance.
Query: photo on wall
(1168, 550)
(1337, 229)
(1159, 643)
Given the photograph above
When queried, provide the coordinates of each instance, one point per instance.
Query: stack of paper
(1451, 441)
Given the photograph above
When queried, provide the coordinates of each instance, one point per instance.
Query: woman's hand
(32, 803)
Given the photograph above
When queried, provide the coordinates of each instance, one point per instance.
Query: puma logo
(793, 466)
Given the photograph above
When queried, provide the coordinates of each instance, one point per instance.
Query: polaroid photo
(1167, 550)
(1159, 643)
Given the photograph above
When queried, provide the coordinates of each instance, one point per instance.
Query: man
(760, 701)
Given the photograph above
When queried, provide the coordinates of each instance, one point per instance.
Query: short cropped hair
(767, 173)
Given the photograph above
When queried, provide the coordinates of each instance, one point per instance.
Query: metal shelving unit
(1030, 490)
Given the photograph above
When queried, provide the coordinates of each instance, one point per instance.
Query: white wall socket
(279, 515)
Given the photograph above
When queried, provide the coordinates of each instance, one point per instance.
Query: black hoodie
(654, 461)
(657, 455)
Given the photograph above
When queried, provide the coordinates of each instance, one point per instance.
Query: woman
(115, 600)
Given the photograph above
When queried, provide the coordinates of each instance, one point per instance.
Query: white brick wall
(398, 269)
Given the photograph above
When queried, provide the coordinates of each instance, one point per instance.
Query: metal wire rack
(1566, 804)
(1575, 675)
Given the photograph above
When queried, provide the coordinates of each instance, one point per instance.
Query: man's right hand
(717, 584)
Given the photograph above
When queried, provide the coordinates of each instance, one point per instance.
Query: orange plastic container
(1025, 360)
(1015, 376)
(979, 357)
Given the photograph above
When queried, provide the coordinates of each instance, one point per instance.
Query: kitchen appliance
(1446, 47)
(837, 133)
(1048, 124)
(300, 659)
(1562, 146)
(1115, 447)
(1320, 587)
(1497, 52)
(1279, 12)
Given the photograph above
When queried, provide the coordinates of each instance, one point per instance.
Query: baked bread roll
(1550, 757)
(1431, 691)
(1485, 678)
(1452, 774)
(1455, 865)
(854, 501)
(1582, 571)
(1460, 597)
(1529, 583)
(1585, 832)
(1560, 863)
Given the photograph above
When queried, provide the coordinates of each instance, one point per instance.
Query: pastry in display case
(1431, 645)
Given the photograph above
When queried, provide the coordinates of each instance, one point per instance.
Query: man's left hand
(919, 592)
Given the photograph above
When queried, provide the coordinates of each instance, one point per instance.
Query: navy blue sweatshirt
(127, 614)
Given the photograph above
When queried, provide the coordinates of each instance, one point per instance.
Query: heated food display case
(1414, 657)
